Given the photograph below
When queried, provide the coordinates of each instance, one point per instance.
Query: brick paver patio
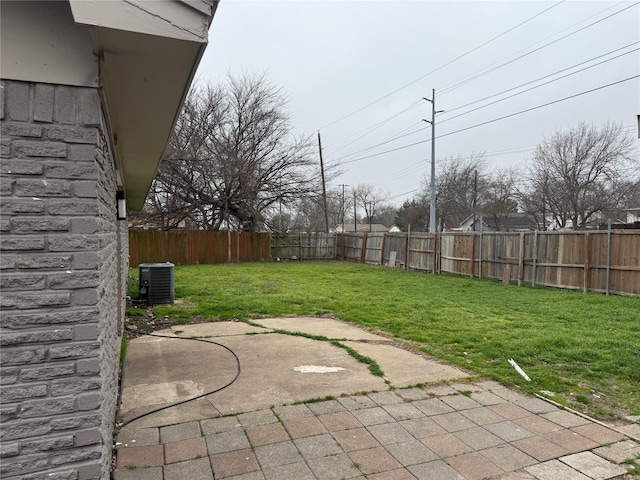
(441, 433)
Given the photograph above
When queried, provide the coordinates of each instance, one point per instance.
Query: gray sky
(332, 58)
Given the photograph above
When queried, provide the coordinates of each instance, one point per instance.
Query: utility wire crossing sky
(507, 75)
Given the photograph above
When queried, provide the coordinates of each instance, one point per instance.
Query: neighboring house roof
(508, 222)
(144, 57)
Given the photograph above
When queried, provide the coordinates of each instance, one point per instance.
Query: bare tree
(460, 186)
(233, 159)
(385, 215)
(577, 173)
(370, 199)
(500, 197)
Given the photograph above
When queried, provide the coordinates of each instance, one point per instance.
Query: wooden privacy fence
(303, 246)
(193, 247)
(599, 261)
(605, 261)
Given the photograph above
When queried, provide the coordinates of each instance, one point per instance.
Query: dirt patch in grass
(141, 321)
(138, 325)
(599, 405)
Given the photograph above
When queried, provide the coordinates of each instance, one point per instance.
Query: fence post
(585, 273)
(363, 251)
(521, 260)
(435, 251)
(481, 253)
(406, 248)
(535, 255)
(228, 246)
(300, 247)
(384, 241)
(473, 254)
(608, 255)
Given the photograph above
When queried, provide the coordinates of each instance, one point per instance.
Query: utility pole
(324, 187)
(342, 206)
(432, 211)
(475, 197)
(355, 213)
(370, 214)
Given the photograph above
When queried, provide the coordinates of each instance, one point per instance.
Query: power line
(505, 91)
(416, 166)
(533, 88)
(491, 121)
(460, 83)
(374, 127)
(539, 106)
(382, 153)
(440, 67)
(400, 135)
(395, 137)
(405, 193)
(508, 151)
(449, 110)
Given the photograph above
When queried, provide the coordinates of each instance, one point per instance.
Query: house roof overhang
(148, 54)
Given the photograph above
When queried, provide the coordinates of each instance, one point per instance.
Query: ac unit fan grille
(157, 281)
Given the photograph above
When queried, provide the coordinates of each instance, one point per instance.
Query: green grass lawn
(585, 348)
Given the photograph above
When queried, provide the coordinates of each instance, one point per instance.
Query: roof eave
(145, 76)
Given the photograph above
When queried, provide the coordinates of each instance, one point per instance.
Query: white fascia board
(40, 42)
(178, 19)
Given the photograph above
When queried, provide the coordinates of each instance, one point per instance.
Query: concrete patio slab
(159, 371)
(325, 327)
(213, 329)
(403, 368)
(277, 422)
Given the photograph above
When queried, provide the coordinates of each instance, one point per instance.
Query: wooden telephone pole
(324, 187)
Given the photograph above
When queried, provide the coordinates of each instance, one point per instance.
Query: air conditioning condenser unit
(156, 283)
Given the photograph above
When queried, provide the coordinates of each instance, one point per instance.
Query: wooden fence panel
(560, 260)
(497, 252)
(373, 252)
(548, 258)
(625, 262)
(285, 245)
(421, 252)
(455, 253)
(303, 246)
(196, 247)
(395, 242)
(350, 247)
(318, 247)
(146, 248)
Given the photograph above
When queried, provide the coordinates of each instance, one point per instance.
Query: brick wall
(63, 260)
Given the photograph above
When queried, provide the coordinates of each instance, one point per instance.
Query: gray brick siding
(64, 260)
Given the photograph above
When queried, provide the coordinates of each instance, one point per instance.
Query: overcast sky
(334, 58)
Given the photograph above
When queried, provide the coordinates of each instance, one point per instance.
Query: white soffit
(147, 64)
